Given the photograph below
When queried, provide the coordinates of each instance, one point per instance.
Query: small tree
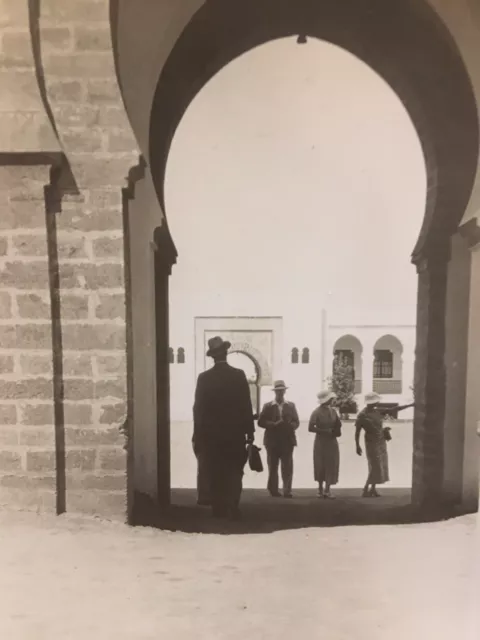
(342, 383)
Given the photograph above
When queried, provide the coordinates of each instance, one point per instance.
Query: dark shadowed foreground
(263, 514)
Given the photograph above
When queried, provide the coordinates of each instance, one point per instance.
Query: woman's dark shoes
(374, 494)
(328, 496)
(288, 494)
(366, 494)
(275, 494)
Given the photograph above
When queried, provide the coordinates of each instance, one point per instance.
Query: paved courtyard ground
(353, 470)
(73, 578)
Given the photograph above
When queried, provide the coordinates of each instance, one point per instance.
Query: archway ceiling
(402, 40)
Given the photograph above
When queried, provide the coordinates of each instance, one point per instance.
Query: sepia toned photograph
(239, 319)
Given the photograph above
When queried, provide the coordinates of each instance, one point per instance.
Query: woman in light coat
(325, 424)
(376, 436)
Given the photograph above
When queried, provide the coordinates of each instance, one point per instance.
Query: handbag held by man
(254, 458)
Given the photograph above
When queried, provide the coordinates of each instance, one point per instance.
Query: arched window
(348, 351)
(347, 357)
(383, 364)
(171, 357)
(306, 355)
(181, 355)
(294, 355)
(387, 365)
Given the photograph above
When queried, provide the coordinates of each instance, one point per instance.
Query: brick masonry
(75, 396)
(430, 380)
(94, 369)
(93, 362)
(94, 131)
(27, 434)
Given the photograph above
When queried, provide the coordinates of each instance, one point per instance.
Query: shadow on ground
(262, 514)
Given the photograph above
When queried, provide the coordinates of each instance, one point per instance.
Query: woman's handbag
(254, 458)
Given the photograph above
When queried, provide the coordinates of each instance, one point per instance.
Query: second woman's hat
(372, 398)
(325, 396)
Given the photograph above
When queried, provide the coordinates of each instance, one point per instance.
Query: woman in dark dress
(376, 436)
(325, 423)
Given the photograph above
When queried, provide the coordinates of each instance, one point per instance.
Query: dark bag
(386, 434)
(254, 458)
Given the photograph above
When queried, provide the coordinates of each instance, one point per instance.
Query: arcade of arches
(382, 372)
(86, 251)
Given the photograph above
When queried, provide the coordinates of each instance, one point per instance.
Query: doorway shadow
(262, 514)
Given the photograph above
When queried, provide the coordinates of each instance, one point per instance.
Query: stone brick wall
(84, 98)
(24, 124)
(92, 310)
(27, 433)
(63, 372)
(430, 381)
(61, 443)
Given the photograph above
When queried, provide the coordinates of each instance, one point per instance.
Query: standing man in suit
(280, 420)
(222, 427)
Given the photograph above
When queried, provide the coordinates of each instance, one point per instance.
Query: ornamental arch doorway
(201, 39)
(244, 361)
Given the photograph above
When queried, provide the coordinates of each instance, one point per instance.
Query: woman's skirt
(377, 457)
(326, 459)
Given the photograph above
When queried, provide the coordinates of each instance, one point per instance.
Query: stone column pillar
(367, 367)
(328, 357)
(165, 258)
(407, 375)
(471, 446)
(430, 379)
(407, 371)
(31, 457)
(74, 48)
(456, 353)
(478, 466)
(475, 593)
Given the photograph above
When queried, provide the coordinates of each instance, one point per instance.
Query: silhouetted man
(223, 425)
(280, 420)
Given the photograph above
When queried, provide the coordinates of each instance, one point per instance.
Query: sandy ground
(353, 470)
(76, 578)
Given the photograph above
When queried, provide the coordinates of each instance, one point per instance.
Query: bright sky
(297, 168)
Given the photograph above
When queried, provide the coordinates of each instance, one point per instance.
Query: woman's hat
(372, 398)
(279, 385)
(325, 396)
(216, 345)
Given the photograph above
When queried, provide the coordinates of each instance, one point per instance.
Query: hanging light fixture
(302, 39)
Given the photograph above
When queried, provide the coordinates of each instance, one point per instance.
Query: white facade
(382, 354)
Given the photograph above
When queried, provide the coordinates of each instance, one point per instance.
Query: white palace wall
(292, 328)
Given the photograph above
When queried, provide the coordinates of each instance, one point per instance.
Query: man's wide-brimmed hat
(372, 398)
(279, 385)
(325, 396)
(217, 345)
